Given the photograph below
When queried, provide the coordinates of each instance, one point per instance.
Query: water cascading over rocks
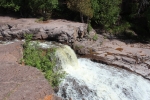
(87, 80)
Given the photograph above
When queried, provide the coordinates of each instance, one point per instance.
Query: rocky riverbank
(18, 82)
(126, 54)
(57, 30)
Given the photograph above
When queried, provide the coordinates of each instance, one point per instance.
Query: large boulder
(20, 82)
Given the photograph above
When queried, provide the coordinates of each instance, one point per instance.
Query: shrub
(95, 37)
(42, 59)
(121, 28)
(89, 27)
(106, 12)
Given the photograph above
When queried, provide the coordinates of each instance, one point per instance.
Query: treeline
(114, 16)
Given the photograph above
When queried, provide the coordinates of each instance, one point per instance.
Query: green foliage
(120, 29)
(41, 59)
(41, 19)
(44, 6)
(130, 34)
(89, 27)
(10, 4)
(95, 37)
(134, 10)
(82, 6)
(32, 6)
(106, 12)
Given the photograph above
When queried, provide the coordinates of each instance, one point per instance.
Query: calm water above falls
(87, 80)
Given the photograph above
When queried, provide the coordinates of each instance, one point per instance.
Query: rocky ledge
(126, 54)
(20, 82)
(58, 30)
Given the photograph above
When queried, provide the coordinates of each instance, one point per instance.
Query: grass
(95, 37)
(44, 60)
(89, 27)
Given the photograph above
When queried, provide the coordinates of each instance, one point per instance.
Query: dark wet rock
(72, 86)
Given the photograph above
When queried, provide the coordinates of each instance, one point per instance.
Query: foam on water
(8, 42)
(88, 80)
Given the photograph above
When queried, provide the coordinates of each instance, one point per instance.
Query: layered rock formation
(58, 30)
(126, 54)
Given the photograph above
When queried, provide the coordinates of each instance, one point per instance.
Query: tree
(29, 6)
(45, 6)
(10, 4)
(143, 4)
(82, 6)
(106, 12)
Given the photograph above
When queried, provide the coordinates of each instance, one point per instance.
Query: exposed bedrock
(134, 57)
(59, 30)
(20, 82)
(126, 54)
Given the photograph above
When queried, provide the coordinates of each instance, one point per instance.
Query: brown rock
(22, 83)
(18, 82)
(60, 30)
(11, 52)
(121, 54)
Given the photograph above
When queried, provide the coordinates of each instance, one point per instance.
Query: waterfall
(66, 57)
(87, 80)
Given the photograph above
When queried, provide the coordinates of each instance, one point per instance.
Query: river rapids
(88, 80)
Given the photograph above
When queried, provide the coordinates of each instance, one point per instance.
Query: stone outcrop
(58, 30)
(20, 82)
(126, 54)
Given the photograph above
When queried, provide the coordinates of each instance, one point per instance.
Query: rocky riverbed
(126, 54)
(19, 82)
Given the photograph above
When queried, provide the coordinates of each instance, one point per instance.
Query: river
(87, 80)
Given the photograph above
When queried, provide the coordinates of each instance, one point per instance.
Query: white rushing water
(87, 80)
